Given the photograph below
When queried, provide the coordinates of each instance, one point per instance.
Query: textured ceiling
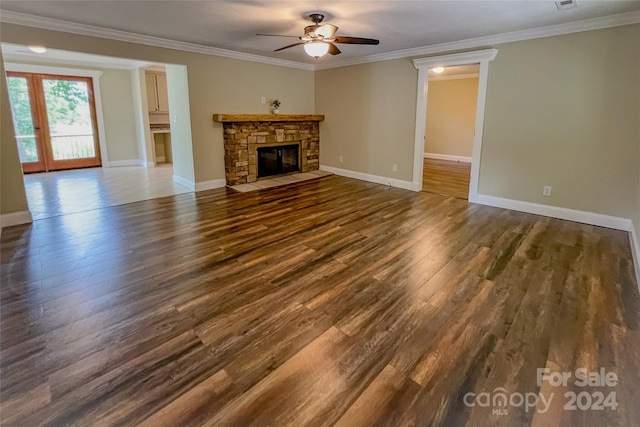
(398, 24)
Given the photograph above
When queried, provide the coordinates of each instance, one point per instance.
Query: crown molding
(124, 36)
(456, 59)
(540, 32)
(534, 33)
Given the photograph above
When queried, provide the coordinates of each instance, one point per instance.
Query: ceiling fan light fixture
(316, 49)
(437, 70)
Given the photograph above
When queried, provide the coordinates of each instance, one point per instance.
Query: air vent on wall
(566, 4)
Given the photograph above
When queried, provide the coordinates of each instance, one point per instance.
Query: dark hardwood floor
(333, 301)
(446, 177)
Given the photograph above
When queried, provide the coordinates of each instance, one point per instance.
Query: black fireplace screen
(277, 160)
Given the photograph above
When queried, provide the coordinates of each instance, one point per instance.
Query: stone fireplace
(245, 134)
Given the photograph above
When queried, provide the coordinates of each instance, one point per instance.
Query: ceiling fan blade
(287, 47)
(355, 40)
(333, 49)
(276, 35)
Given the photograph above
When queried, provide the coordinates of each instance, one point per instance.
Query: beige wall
(181, 137)
(369, 117)
(216, 85)
(451, 115)
(561, 111)
(565, 111)
(118, 113)
(12, 197)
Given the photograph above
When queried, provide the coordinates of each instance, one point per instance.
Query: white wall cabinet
(157, 96)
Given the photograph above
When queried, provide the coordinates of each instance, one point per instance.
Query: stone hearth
(244, 133)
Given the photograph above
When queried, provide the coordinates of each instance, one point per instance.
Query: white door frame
(423, 65)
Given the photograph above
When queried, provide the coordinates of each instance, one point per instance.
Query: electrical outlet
(546, 191)
(263, 100)
(395, 168)
(340, 159)
(175, 119)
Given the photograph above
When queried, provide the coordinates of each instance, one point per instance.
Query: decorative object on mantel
(276, 106)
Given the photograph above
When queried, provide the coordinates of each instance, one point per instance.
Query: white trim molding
(121, 163)
(454, 77)
(584, 217)
(635, 251)
(437, 156)
(124, 36)
(423, 65)
(15, 218)
(474, 43)
(210, 185)
(392, 182)
(184, 182)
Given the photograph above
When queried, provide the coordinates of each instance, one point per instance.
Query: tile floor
(63, 192)
(279, 181)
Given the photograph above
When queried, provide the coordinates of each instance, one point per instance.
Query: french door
(55, 121)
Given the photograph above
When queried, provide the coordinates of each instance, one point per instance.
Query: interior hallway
(63, 192)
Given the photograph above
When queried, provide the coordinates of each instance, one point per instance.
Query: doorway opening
(55, 121)
(126, 142)
(424, 65)
(449, 128)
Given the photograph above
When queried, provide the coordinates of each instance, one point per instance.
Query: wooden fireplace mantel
(236, 118)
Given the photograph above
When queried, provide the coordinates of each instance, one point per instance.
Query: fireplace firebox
(278, 160)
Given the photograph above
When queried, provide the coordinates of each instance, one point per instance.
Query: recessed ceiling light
(37, 49)
(437, 70)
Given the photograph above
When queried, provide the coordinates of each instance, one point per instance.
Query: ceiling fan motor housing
(316, 18)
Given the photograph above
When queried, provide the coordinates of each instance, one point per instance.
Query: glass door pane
(23, 119)
(69, 118)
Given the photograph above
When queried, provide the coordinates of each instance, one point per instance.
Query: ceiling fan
(319, 39)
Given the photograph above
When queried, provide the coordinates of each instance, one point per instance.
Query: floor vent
(566, 4)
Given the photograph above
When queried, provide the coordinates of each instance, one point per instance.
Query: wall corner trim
(398, 183)
(635, 251)
(584, 217)
(15, 218)
(210, 185)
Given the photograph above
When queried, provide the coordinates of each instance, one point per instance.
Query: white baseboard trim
(210, 185)
(160, 159)
(147, 164)
(635, 252)
(584, 217)
(15, 218)
(407, 185)
(184, 182)
(119, 163)
(447, 157)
